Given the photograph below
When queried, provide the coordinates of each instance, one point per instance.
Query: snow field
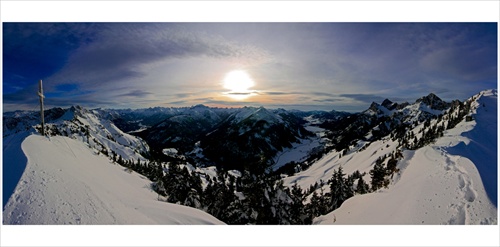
(297, 153)
(355, 159)
(65, 183)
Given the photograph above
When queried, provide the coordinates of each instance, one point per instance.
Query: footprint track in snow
(461, 181)
(465, 189)
(464, 181)
(460, 215)
(470, 194)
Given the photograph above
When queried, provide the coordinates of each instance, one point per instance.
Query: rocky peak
(434, 102)
(389, 104)
(374, 107)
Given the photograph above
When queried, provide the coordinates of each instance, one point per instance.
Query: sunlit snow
(66, 183)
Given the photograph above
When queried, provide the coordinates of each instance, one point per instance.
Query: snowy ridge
(109, 137)
(83, 125)
(66, 183)
(409, 113)
(441, 183)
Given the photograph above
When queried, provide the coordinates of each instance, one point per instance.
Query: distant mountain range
(283, 147)
(233, 138)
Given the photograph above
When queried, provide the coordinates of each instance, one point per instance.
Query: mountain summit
(434, 102)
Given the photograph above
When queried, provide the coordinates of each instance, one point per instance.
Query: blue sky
(323, 66)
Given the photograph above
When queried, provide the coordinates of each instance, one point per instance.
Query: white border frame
(245, 11)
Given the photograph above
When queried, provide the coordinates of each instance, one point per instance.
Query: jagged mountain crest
(389, 104)
(424, 107)
(381, 119)
(434, 102)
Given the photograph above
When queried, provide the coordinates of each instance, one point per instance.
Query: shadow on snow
(482, 148)
(14, 164)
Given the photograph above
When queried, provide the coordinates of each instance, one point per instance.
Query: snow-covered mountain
(182, 129)
(451, 180)
(251, 137)
(430, 104)
(429, 162)
(81, 124)
(198, 132)
(380, 120)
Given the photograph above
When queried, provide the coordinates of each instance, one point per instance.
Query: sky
(292, 65)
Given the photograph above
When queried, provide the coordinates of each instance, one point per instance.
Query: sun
(239, 84)
(238, 81)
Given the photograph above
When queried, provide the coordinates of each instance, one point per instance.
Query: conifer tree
(362, 187)
(297, 209)
(378, 174)
(340, 190)
(160, 188)
(219, 201)
(391, 165)
(313, 208)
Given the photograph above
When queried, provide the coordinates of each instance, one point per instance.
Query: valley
(394, 163)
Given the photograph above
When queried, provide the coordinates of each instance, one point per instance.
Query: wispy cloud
(136, 93)
(365, 98)
(317, 65)
(124, 50)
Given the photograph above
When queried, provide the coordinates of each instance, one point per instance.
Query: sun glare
(239, 84)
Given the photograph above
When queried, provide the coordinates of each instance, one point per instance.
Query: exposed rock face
(434, 102)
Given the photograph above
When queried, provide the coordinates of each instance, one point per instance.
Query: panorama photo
(249, 123)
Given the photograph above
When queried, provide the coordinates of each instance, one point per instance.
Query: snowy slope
(300, 150)
(453, 181)
(79, 123)
(102, 134)
(66, 183)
